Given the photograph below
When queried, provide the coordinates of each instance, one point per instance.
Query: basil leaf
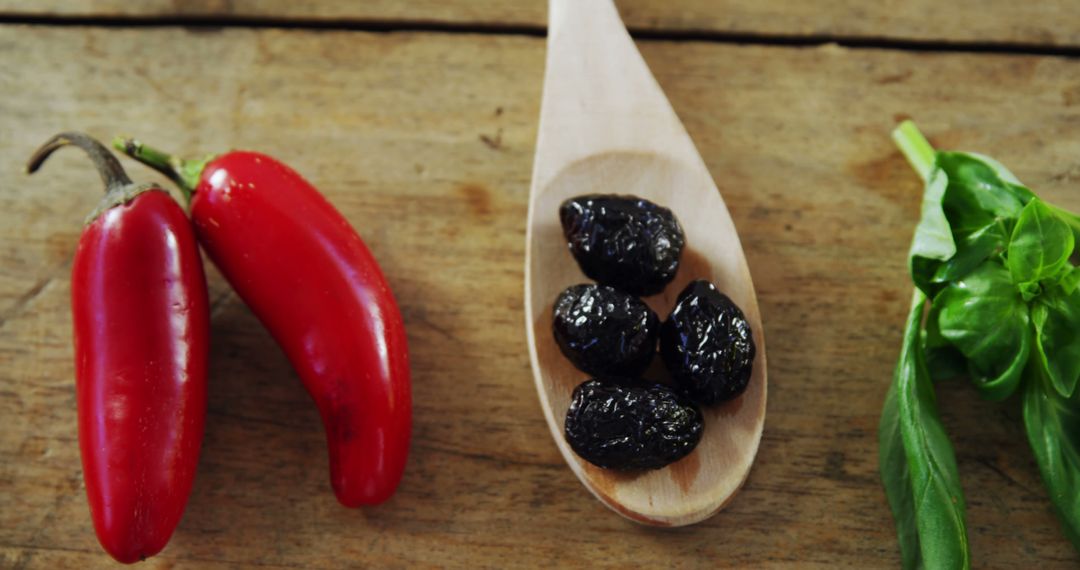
(985, 318)
(942, 358)
(1069, 218)
(968, 209)
(1029, 290)
(1040, 246)
(933, 242)
(972, 249)
(1069, 280)
(892, 462)
(980, 190)
(1053, 429)
(936, 501)
(1004, 174)
(1057, 339)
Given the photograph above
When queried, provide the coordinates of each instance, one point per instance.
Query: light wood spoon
(606, 127)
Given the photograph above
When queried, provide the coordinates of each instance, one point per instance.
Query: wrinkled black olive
(605, 332)
(623, 241)
(632, 425)
(707, 344)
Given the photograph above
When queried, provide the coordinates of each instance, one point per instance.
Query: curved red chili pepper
(309, 278)
(141, 324)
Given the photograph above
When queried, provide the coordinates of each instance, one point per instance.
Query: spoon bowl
(606, 127)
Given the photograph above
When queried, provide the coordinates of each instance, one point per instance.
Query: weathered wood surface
(1044, 23)
(425, 142)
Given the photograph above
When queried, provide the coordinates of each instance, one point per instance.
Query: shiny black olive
(623, 241)
(631, 425)
(605, 332)
(707, 345)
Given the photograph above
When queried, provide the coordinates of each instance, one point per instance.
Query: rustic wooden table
(418, 121)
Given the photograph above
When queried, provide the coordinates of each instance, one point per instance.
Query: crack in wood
(809, 40)
(25, 299)
(35, 291)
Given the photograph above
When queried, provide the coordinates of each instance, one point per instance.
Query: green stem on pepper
(185, 173)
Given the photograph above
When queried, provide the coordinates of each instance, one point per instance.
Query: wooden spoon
(606, 127)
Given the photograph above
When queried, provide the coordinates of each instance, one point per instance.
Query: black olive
(707, 344)
(605, 332)
(631, 425)
(623, 241)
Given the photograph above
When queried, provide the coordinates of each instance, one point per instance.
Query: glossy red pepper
(141, 320)
(309, 278)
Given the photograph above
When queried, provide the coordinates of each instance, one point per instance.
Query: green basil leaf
(969, 205)
(972, 249)
(1004, 174)
(942, 358)
(1069, 280)
(1053, 429)
(933, 242)
(979, 191)
(897, 480)
(936, 500)
(1040, 246)
(1069, 218)
(986, 319)
(1057, 327)
(1029, 290)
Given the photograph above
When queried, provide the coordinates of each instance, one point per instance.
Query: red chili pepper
(141, 320)
(306, 274)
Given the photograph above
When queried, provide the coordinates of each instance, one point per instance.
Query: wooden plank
(1044, 23)
(425, 141)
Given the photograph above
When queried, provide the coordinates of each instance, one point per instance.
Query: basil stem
(918, 151)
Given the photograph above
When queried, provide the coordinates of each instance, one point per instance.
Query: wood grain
(1042, 23)
(425, 143)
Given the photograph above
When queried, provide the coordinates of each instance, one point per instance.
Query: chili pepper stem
(184, 173)
(917, 150)
(112, 174)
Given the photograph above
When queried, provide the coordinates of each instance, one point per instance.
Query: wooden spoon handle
(598, 15)
(598, 91)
